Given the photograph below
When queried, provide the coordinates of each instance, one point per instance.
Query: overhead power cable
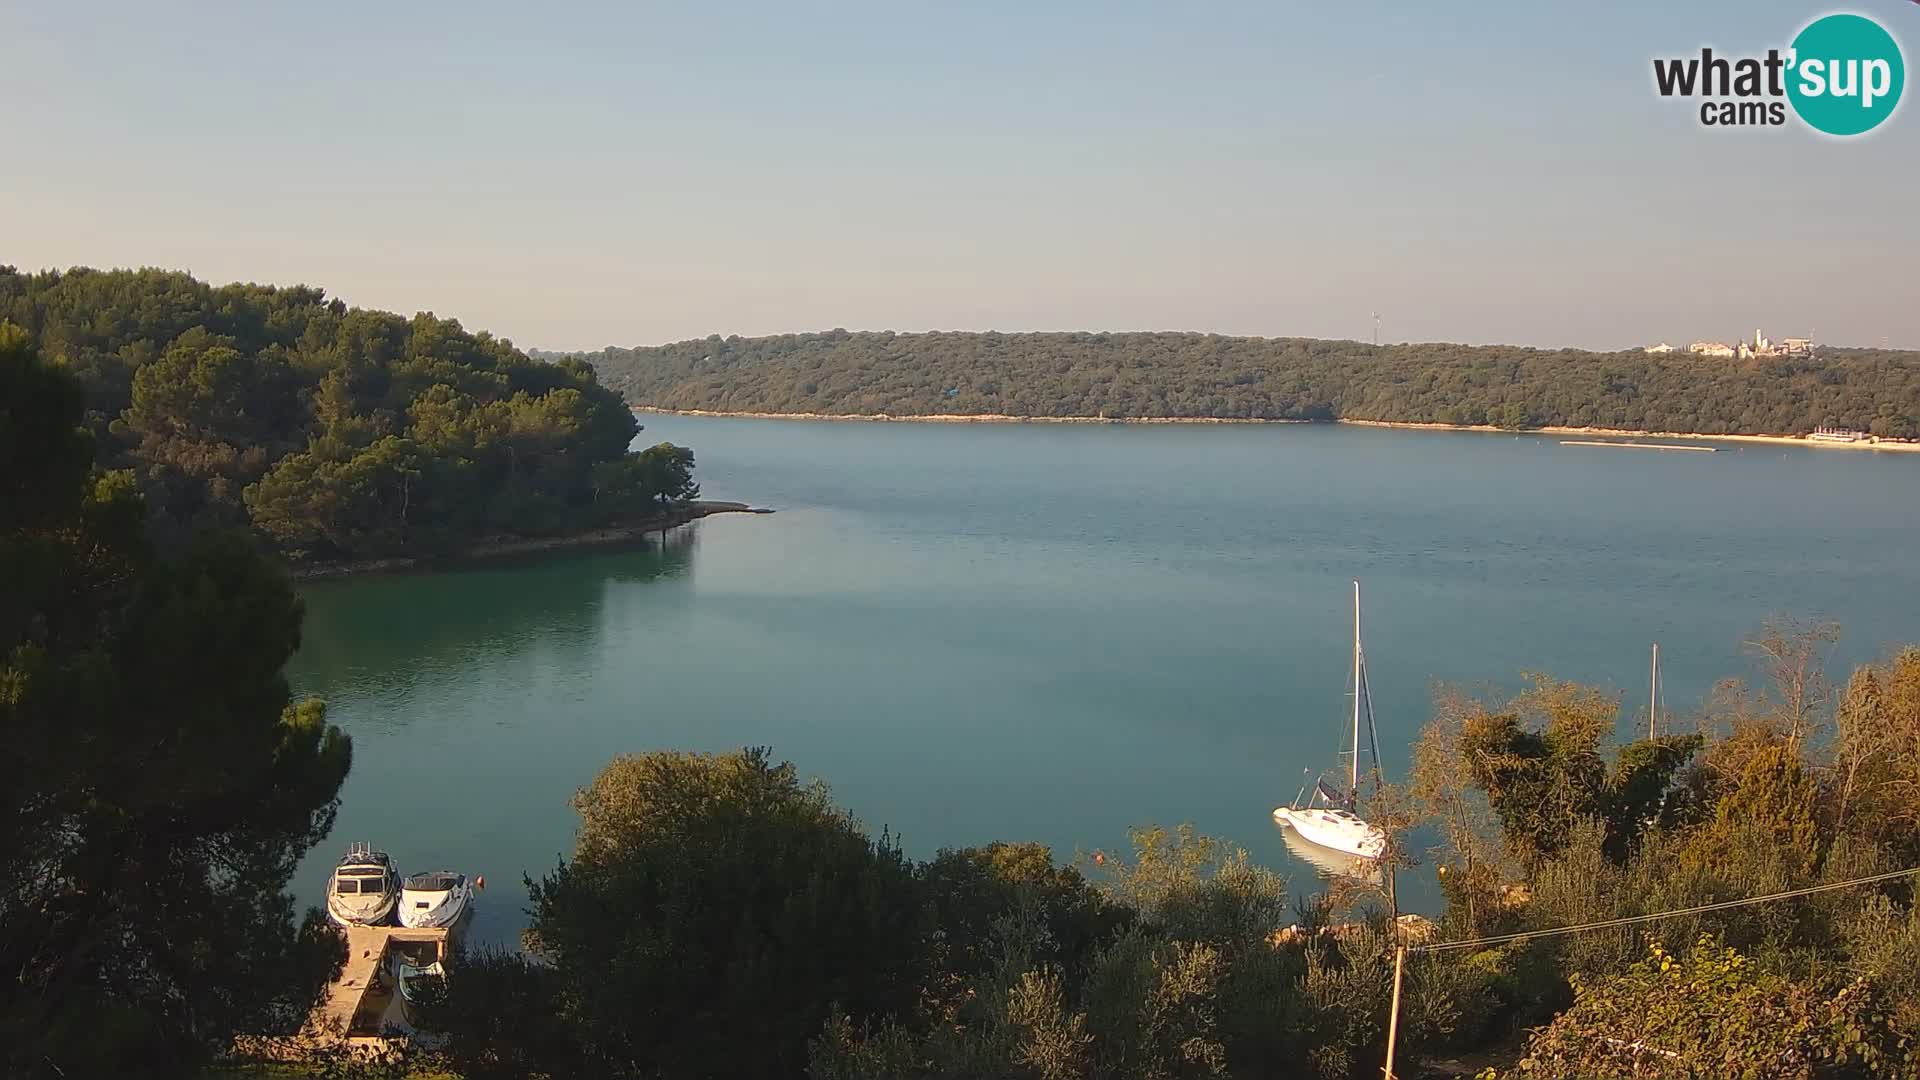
(1631, 920)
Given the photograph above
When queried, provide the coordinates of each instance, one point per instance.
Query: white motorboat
(438, 898)
(1329, 818)
(364, 888)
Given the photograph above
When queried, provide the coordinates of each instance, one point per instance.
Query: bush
(1711, 1013)
(716, 912)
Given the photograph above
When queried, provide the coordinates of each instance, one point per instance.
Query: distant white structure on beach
(1834, 434)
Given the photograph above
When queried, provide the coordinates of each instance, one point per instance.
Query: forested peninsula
(1208, 376)
(337, 433)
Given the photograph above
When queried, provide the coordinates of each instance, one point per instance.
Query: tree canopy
(1710, 1012)
(334, 431)
(721, 918)
(157, 783)
(715, 910)
(1137, 375)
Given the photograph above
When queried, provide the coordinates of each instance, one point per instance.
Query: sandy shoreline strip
(959, 418)
(994, 418)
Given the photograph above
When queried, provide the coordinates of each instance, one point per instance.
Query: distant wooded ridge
(1188, 375)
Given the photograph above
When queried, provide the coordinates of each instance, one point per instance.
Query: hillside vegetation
(159, 782)
(1205, 375)
(722, 917)
(333, 431)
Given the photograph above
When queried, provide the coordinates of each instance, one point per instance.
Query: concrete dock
(358, 1003)
(360, 1008)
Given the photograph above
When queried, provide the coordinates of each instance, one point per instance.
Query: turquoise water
(1056, 632)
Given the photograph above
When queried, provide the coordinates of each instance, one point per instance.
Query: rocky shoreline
(506, 547)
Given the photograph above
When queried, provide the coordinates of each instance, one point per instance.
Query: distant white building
(1836, 434)
(1663, 347)
(1760, 345)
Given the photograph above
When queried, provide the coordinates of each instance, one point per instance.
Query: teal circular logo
(1847, 74)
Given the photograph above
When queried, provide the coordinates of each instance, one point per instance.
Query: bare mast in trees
(1792, 653)
(1653, 697)
(1353, 777)
(1362, 697)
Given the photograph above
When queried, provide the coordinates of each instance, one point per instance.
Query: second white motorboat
(439, 898)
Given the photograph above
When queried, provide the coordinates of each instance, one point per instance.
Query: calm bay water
(1056, 632)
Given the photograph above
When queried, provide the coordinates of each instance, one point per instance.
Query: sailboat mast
(1353, 784)
(1653, 696)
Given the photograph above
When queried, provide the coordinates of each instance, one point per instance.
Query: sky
(573, 176)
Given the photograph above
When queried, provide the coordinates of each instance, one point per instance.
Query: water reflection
(468, 696)
(1327, 862)
(367, 631)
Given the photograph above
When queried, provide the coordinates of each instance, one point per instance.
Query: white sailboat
(1328, 817)
(1327, 862)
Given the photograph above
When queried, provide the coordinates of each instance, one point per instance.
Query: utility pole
(1376, 329)
(1393, 1018)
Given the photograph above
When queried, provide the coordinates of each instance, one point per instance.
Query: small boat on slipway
(1330, 818)
(420, 983)
(437, 898)
(364, 888)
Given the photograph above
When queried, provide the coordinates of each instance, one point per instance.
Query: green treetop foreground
(336, 432)
(158, 784)
(1145, 375)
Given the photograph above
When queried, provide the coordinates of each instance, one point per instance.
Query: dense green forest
(158, 783)
(335, 431)
(721, 917)
(1207, 375)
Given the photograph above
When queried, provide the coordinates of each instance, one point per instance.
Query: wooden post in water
(1393, 1017)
